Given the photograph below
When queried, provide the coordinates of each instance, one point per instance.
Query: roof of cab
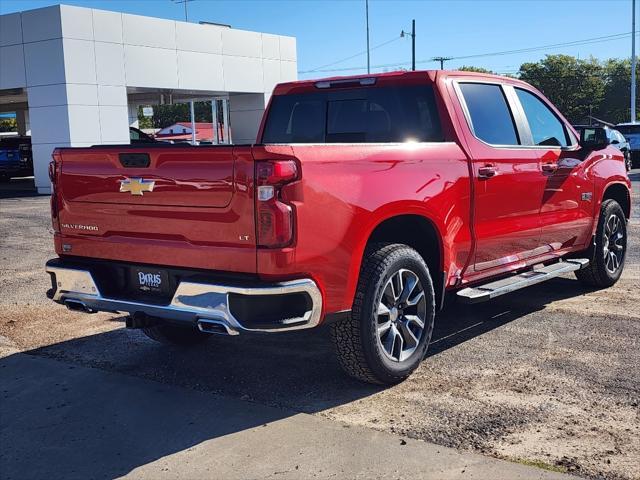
(388, 78)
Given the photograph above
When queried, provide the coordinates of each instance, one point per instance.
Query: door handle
(487, 171)
(549, 167)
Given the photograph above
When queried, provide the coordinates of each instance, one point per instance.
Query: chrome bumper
(204, 305)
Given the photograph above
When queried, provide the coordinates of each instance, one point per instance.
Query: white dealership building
(76, 76)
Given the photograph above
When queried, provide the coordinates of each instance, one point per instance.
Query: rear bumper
(213, 308)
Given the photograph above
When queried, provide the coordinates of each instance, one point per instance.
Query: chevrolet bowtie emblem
(136, 186)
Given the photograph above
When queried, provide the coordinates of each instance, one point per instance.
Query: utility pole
(184, 2)
(368, 56)
(633, 60)
(413, 43)
(441, 60)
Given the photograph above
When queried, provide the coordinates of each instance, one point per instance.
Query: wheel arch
(420, 233)
(621, 194)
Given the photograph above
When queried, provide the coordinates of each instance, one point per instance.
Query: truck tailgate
(163, 205)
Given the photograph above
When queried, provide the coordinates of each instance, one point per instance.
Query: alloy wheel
(614, 243)
(401, 315)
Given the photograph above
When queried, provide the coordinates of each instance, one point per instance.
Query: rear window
(358, 115)
(490, 115)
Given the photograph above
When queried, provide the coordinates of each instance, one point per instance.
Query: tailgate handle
(135, 160)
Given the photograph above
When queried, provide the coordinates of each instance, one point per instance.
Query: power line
(441, 60)
(318, 69)
(587, 41)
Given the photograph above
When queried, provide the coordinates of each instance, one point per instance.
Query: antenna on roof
(185, 2)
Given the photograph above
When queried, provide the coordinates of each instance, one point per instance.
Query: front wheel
(607, 261)
(388, 332)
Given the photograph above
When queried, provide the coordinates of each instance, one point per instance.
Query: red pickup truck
(364, 201)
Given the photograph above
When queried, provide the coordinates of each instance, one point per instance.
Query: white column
(245, 111)
(75, 84)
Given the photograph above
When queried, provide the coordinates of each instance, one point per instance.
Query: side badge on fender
(586, 196)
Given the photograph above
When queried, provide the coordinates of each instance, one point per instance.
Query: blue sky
(330, 30)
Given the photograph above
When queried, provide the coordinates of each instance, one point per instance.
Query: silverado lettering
(371, 199)
(75, 226)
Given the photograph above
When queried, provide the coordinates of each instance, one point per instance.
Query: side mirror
(593, 138)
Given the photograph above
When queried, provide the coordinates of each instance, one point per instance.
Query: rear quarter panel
(346, 190)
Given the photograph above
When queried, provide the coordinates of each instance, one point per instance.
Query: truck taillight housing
(54, 171)
(274, 216)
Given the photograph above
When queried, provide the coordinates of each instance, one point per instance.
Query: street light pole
(368, 56)
(633, 60)
(413, 43)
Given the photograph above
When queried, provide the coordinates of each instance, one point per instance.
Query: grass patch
(539, 464)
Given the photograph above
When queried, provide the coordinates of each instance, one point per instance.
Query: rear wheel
(607, 261)
(392, 319)
(175, 335)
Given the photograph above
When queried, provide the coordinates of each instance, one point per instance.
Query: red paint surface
(201, 212)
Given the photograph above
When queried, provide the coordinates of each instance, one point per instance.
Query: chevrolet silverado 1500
(364, 201)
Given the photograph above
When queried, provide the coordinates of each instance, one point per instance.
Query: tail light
(54, 171)
(274, 216)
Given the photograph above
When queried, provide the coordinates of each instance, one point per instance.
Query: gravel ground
(548, 376)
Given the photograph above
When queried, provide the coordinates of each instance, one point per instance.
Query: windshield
(354, 115)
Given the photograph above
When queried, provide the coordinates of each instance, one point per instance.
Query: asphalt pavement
(548, 377)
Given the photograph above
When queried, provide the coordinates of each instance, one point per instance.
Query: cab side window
(491, 119)
(546, 128)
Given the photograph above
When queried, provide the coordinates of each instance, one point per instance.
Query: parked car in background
(631, 132)
(615, 138)
(16, 158)
(137, 136)
(362, 203)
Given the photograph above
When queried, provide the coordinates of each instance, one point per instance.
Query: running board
(516, 282)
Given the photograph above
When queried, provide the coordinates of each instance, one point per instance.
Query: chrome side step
(494, 289)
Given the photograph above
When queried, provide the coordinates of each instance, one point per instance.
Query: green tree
(575, 86)
(165, 115)
(615, 105)
(578, 87)
(8, 125)
(468, 68)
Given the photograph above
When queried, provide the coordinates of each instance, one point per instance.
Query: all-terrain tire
(175, 335)
(597, 273)
(356, 340)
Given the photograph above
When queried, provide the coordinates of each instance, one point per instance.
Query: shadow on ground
(66, 421)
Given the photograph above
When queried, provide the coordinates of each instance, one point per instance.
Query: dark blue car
(16, 159)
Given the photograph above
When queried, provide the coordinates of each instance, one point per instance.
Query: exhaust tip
(216, 327)
(77, 306)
